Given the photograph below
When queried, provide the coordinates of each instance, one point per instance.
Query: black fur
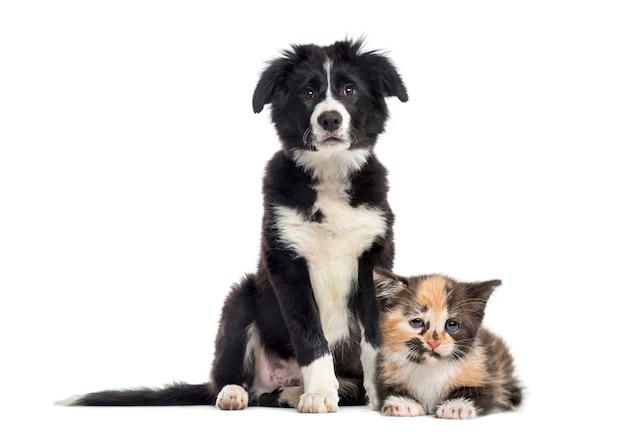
(278, 301)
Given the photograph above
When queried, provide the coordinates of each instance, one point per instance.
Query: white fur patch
(72, 400)
(253, 344)
(368, 361)
(457, 409)
(428, 393)
(232, 397)
(428, 382)
(331, 249)
(402, 406)
(331, 166)
(320, 387)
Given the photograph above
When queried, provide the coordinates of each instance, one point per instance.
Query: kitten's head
(430, 317)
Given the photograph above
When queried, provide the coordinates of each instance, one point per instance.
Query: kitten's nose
(433, 344)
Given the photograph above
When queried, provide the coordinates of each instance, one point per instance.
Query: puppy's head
(329, 98)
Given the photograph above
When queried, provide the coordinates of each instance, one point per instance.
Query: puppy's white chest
(343, 232)
(331, 246)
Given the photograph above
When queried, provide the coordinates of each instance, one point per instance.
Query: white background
(130, 199)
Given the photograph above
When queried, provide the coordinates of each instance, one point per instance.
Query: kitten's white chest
(331, 247)
(428, 383)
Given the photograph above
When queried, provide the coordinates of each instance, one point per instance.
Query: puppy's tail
(173, 394)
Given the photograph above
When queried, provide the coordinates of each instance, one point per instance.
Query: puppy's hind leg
(232, 397)
(232, 372)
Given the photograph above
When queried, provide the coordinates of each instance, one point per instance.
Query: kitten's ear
(388, 284)
(381, 274)
(483, 290)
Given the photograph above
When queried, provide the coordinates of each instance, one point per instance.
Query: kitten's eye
(416, 323)
(452, 326)
(349, 90)
(309, 93)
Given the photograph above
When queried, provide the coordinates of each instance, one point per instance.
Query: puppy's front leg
(295, 295)
(369, 356)
(367, 309)
(320, 387)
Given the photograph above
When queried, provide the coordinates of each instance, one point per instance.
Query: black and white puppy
(303, 330)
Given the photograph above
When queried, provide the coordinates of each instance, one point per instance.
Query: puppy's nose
(330, 120)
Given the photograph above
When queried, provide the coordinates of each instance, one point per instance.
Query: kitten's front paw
(319, 402)
(402, 406)
(232, 397)
(457, 409)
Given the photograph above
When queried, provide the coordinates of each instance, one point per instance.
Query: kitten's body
(436, 358)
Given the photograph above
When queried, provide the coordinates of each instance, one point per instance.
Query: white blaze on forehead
(327, 67)
(329, 104)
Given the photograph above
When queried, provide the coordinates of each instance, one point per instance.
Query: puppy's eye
(309, 93)
(452, 326)
(349, 90)
(416, 323)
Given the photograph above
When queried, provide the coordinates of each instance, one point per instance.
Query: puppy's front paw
(319, 402)
(321, 385)
(402, 406)
(457, 409)
(232, 397)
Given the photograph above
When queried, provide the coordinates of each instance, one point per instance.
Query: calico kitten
(435, 357)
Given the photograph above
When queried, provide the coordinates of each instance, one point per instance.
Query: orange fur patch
(472, 371)
(394, 335)
(433, 292)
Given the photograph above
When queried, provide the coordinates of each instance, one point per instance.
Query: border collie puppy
(303, 330)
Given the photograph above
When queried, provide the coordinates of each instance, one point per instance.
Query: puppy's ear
(272, 78)
(387, 75)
